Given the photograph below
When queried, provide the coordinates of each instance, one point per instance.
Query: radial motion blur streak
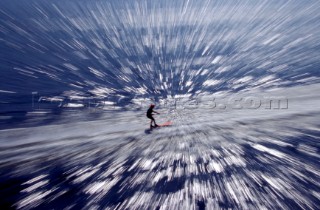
(77, 76)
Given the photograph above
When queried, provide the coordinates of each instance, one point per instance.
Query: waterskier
(149, 115)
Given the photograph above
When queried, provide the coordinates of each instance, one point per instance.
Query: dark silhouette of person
(149, 115)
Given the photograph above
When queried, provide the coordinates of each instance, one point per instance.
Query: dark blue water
(76, 78)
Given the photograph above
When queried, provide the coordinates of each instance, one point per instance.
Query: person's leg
(154, 122)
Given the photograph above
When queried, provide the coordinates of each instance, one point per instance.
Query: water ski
(148, 131)
(165, 124)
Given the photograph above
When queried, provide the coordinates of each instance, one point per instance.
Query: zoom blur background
(76, 78)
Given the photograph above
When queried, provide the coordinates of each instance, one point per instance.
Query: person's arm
(155, 112)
